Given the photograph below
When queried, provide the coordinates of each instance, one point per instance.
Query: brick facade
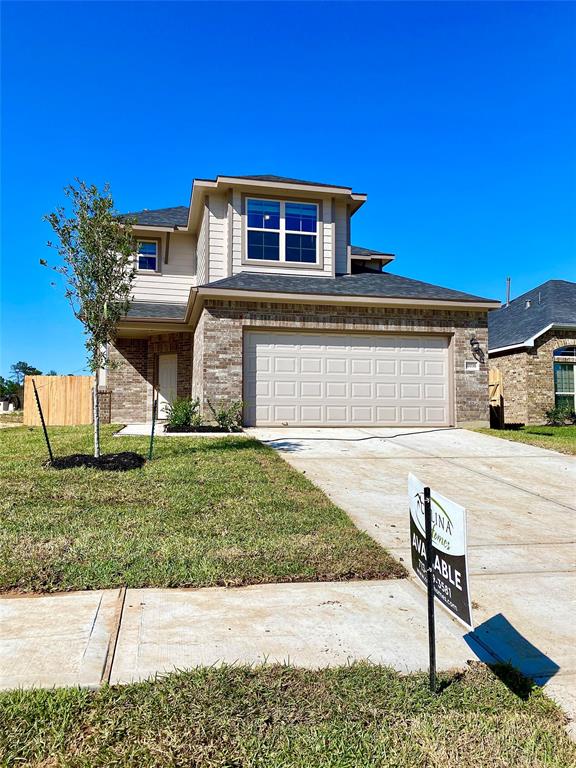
(219, 336)
(528, 378)
(134, 373)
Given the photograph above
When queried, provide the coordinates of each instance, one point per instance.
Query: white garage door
(331, 380)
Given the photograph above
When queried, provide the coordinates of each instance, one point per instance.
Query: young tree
(98, 267)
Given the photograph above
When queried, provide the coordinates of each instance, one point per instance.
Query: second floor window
(282, 231)
(148, 255)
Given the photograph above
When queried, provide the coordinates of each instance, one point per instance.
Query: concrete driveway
(521, 505)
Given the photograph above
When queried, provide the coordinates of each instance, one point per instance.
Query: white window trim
(157, 243)
(565, 360)
(282, 232)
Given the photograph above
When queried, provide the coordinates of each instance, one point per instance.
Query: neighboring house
(255, 293)
(532, 341)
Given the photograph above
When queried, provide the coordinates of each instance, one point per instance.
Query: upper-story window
(282, 231)
(148, 252)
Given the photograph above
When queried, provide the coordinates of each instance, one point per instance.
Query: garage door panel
(311, 389)
(361, 367)
(285, 389)
(361, 389)
(336, 365)
(435, 392)
(386, 367)
(410, 391)
(311, 414)
(311, 365)
(334, 379)
(410, 368)
(386, 390)
(434, 368)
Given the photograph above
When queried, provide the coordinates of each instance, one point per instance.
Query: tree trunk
(96, 414)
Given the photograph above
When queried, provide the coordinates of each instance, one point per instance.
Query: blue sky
(457, 119)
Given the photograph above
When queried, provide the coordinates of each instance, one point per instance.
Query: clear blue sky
(457, 119)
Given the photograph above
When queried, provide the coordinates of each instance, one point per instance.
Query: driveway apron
(521, 506)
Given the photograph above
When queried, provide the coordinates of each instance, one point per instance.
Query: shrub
(184, 413)
(560, 415)
(228, 417)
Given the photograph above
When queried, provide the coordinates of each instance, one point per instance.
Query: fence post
(43, 422)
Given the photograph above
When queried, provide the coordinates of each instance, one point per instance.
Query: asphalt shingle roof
(287, 180)
(376, 284)
(160, 217)
(157, 310)
(553, 302)
(359, 251)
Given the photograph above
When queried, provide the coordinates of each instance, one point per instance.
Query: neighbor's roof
(374, 284)
(552, 303)
(160, 311)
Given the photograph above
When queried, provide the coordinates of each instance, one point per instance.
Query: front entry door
(167, 381)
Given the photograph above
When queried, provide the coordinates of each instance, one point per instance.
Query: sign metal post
(154, 410)
(439, 557)
(430, 589)
(43, 422)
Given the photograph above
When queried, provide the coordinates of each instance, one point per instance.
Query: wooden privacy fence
(65, 400)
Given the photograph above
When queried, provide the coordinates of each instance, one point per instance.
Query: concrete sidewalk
(86, 638)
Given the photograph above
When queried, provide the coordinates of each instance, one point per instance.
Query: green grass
(204, 512)
(561, 439)
(359, 716)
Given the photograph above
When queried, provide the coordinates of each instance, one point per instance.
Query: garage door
(332, 380)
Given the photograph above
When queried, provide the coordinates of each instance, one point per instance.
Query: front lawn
(359, 716)
(204, 512)
(561, 439)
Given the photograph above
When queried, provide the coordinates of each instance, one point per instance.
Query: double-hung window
(148, 252)
(565, 377)
(282, 231)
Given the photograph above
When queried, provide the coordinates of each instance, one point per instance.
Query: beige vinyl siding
(326, 243)
(218, 236)
(328, 214)
(236, 232)
(173, 281)
(341, 244)
(202, 251)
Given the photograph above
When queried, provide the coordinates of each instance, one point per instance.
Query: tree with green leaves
(21, 369)
(9, 387)
(98, 266)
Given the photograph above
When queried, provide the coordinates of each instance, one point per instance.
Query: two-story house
(254, 292)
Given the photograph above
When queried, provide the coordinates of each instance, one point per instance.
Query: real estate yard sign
(449, 556)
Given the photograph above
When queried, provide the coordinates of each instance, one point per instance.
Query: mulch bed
(204, 428)
(112, 462)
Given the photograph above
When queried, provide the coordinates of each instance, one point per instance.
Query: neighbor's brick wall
(528, 378)
(218, 342)
(132, 382)
(514, 369)
(541, 373)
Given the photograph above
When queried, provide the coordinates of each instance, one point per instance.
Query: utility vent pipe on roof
(528, 303)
